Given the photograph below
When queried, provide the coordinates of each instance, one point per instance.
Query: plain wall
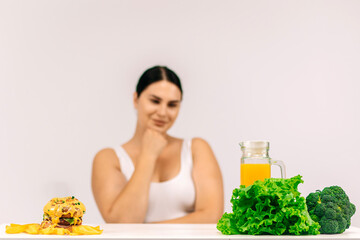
(284, 71)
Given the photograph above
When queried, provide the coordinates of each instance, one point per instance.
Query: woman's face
(158, 105)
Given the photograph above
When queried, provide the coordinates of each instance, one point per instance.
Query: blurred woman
(155, 177)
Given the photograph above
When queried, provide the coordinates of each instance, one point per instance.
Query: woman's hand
(121, 200)
(153, 143)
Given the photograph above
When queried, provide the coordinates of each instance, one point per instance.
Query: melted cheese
(57, 207)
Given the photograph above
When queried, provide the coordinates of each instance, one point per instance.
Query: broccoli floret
(329, 226)
(331, 208)
(352, 209)
(313, 199)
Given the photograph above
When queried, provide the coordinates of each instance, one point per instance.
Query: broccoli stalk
(331, 208)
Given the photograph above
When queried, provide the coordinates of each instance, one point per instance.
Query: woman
(155, 177)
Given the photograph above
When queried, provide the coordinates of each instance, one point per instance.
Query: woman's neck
(138, 135)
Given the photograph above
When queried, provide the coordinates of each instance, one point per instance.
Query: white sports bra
(169, 199)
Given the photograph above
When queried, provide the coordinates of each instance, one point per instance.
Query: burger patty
(64, 221)
(68, 215)
(62, 226)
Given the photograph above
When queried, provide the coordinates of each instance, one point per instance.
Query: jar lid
(258, 144)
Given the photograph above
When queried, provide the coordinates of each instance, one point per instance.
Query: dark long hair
(157, 73)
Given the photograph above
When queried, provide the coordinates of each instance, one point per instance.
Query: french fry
(17, 228)
(34, 228)
(86, 230)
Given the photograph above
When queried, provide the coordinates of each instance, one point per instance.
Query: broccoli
(331, 208)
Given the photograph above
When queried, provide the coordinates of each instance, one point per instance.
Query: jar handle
(281, 165)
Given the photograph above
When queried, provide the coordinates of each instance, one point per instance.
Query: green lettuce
(69, 220)
(273, 206)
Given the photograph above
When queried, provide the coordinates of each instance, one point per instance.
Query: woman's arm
(209, 203)
(120, 201)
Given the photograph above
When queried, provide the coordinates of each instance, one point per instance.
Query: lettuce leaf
(69, 220)
(273, 206)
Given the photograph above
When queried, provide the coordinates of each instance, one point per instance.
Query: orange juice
(250, 172)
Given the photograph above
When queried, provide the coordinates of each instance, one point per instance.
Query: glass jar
(256, 163)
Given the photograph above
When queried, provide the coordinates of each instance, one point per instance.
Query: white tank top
(169, 199)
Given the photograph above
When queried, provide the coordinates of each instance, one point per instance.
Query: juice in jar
(250, 172)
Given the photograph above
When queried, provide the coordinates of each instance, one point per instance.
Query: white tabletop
(174, 231)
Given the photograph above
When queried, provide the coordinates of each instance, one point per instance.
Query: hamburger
(63, 213)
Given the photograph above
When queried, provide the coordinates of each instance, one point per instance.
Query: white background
(285, 71)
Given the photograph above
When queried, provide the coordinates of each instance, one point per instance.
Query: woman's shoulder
(202, 153)
(199, 143)
(200, 147)
(105, 152)
(106, 156)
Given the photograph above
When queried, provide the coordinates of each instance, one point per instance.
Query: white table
(174, 231)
